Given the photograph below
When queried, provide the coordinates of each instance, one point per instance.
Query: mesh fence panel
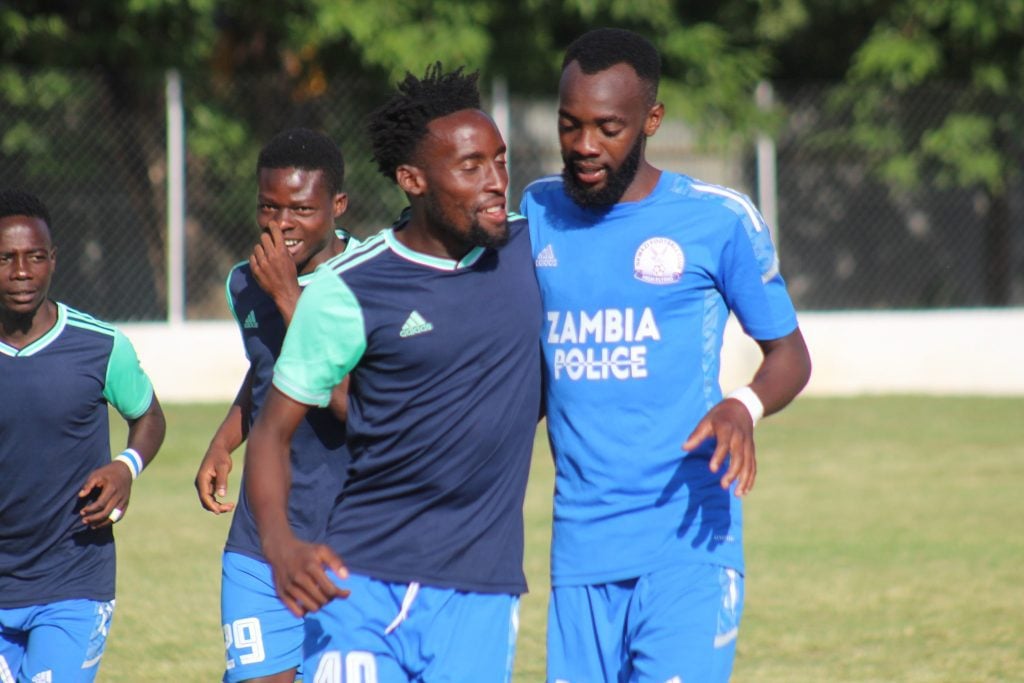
(849, 241)
(221, 177)
(96, 158)
(94, 149)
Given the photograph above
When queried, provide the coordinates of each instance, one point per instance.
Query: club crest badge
(658, 261)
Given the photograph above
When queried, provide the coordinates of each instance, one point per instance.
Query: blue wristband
(133, 460)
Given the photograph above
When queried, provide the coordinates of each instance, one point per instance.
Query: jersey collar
(430, 261)
(44, 341)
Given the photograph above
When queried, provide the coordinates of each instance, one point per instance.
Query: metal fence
(96, 152)
(850, 241)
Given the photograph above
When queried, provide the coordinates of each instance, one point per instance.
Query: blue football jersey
(444, 397)
(54, 431)
(636, 299)
(318, 452)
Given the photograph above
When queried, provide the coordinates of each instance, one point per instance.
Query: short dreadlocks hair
(603, 48)
(308, 150)
(397, 127)
(21, 203)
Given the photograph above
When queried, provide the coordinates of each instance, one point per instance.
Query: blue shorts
(261, 637)
(395, 633)
(65, 638)
(669, 626)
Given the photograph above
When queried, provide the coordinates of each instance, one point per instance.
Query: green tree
(966, 57)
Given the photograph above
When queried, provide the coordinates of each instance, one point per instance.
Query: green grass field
(884, 543)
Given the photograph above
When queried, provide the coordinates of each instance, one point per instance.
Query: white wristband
(749, 399)
(133, 460)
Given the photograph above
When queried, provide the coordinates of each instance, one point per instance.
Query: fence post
(175, 199)
(501, 112)
(767, 185)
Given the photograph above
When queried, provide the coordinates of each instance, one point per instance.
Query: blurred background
(880, 138)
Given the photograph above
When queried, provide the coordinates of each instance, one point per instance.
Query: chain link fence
(94, 148)
(849, 241)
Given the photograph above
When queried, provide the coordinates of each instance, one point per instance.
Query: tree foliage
(877, 54)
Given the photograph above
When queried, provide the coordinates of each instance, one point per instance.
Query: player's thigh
(67, 639)
(346, 639)
(261, 637)
(684, 624)
(587, 632)
(13, 641)
(466, 636)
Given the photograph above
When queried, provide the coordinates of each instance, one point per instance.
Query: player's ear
(654, 116)
(340, 203)
(411, 179)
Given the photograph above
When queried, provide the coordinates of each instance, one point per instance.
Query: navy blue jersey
(444, 366)
(318, 453)
(54, 431)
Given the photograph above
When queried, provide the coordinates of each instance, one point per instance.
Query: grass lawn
(883, 541)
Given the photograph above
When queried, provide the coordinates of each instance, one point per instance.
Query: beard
(474, 236)
(616, 183)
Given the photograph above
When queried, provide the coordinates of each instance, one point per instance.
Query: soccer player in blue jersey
(639, 269)
(299, 175)
(61, 493)
(436, 323)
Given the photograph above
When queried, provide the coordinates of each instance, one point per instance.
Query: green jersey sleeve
(324, 341)
(127, 386)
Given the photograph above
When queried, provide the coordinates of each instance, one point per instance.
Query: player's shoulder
(732, 202)
(545, 186)
(239, 277)
(80, 320)
(356, 254)
(517, 224)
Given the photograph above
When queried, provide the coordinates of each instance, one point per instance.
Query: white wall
(978, 352)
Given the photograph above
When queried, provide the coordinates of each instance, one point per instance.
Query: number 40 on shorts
(358, 667)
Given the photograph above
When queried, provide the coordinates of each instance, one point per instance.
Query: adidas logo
(415, 324)
(250, 321)
(546, 258)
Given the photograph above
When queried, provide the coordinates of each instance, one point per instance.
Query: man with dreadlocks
(435, 320)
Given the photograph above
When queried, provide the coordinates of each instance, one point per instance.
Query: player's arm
(212, 478)
(112, 484)
(339, 400)
(783, 373)
(299, 568)
(127, 388)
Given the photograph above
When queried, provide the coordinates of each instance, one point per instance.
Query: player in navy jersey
(299, 174)
(61, 493)
(639, 270)
(435, 321)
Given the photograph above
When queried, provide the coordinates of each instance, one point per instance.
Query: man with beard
(435, 321)
(60, 371)
(639, 269)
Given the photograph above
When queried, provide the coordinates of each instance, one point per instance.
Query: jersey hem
(434, 582)
(29, 602)
(625, 573)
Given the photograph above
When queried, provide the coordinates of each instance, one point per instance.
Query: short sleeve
(325, 340)
(127, 386)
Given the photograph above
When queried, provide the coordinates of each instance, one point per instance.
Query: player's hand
(301, 578)
(273, 267)
(212, 479)
(730, 424)
(110, 487)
